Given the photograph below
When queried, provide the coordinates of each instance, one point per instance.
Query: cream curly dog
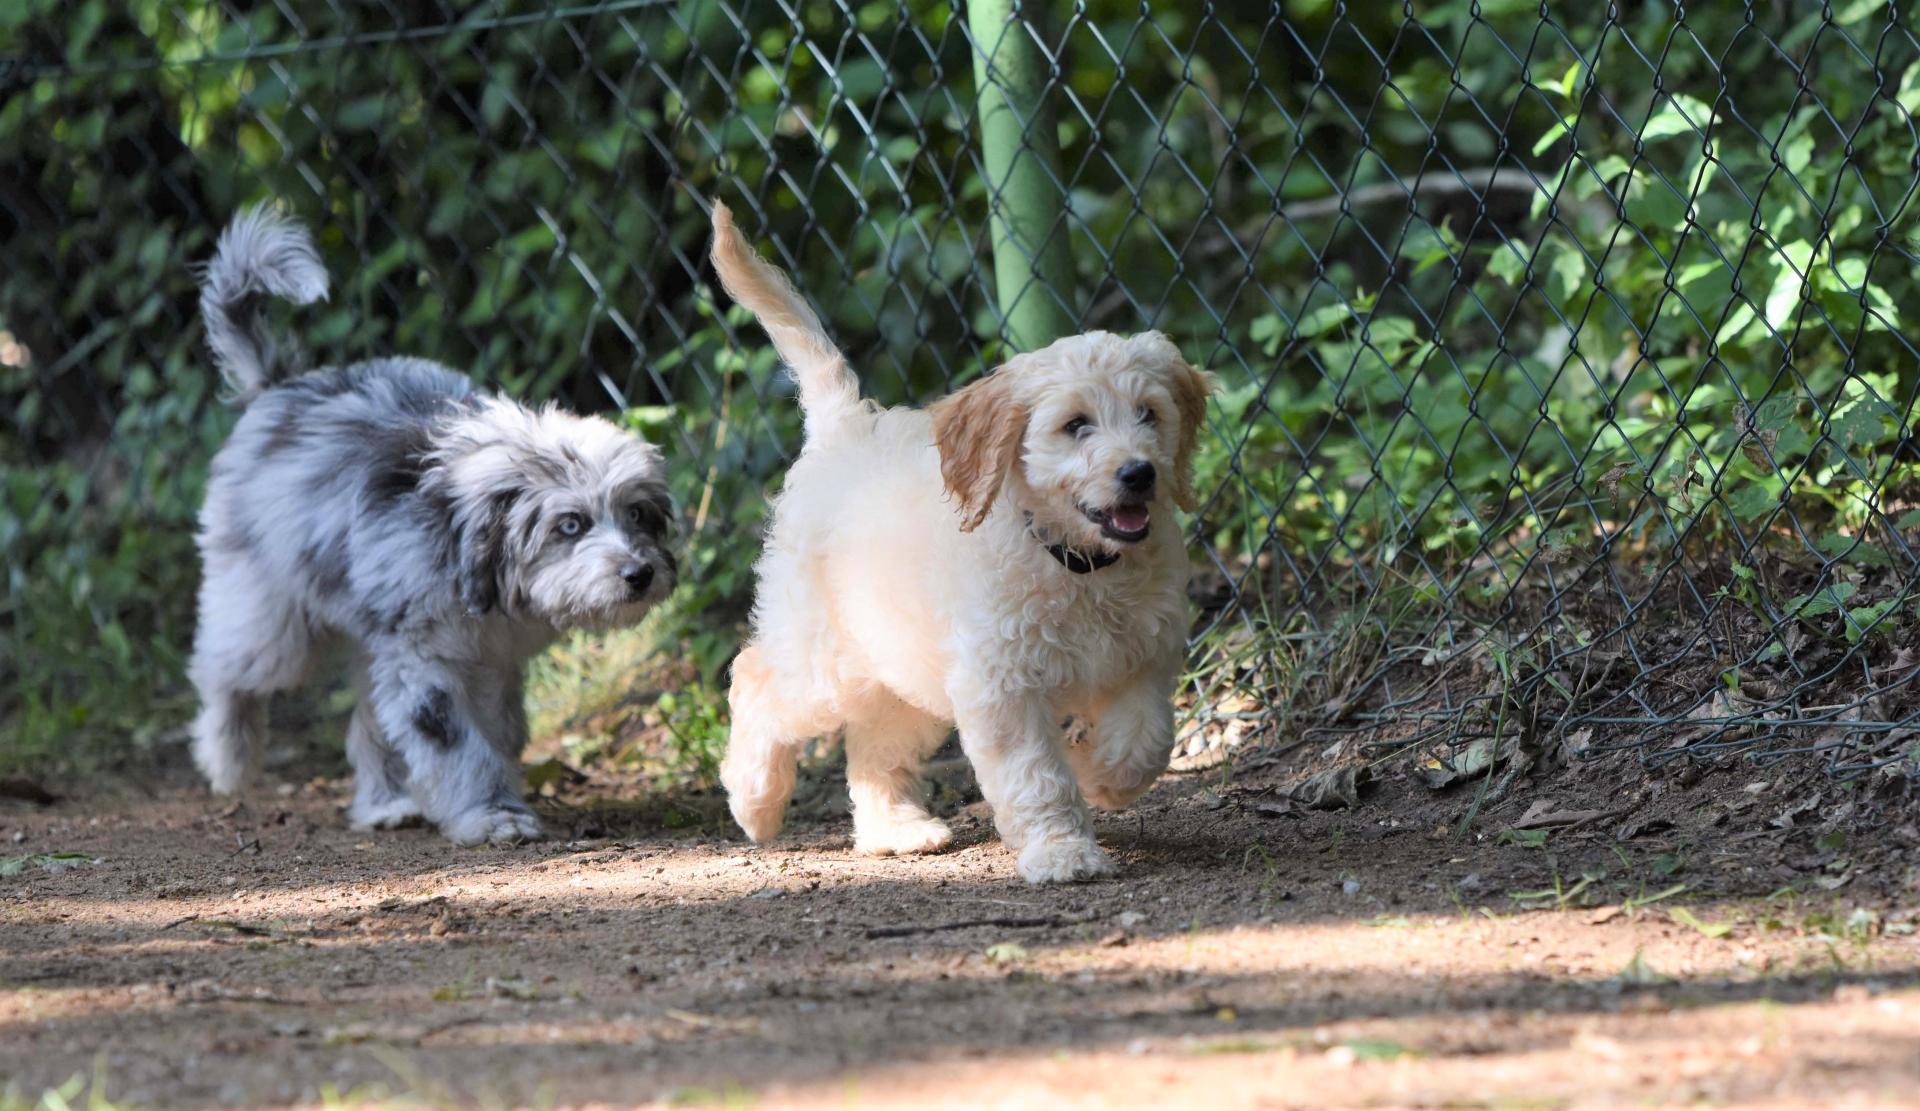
(998, 561)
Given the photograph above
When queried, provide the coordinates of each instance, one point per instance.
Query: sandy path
(267, 956)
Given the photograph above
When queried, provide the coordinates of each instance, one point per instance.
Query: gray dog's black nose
(639, 576)
(1136, 476)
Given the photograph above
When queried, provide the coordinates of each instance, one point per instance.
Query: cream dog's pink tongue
(1128, 518)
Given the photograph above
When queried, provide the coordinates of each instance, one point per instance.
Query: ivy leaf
(1862, 620)
(1821, 602)
(1751, 500)
(1853, 549)
(1861, 424)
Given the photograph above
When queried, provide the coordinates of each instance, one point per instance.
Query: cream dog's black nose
(639, 576)
(1136, 476)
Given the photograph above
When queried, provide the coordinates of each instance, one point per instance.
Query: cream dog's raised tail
(829, 393)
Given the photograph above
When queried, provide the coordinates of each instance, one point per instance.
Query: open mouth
(1127, 522)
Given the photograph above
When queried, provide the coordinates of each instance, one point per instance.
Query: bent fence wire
(1566, 383)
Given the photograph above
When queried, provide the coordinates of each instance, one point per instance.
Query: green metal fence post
(1032, 267)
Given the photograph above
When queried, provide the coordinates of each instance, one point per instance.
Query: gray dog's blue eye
(571, 524)
(635, 513)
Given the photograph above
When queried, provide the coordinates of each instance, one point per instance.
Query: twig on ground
(450, 1024)
(874, 932)
(238, 927)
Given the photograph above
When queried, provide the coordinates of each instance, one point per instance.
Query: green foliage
(1617, 317)
(78, 1094)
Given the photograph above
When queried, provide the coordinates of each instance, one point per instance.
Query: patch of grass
(1231, 1046)
(1561, 895)
(80, 1093)
(729, 1094)
(624, 700)
(361, 1097)
(1375, 1049)
(1270, 878)
(1713, 931)
(1639, 901)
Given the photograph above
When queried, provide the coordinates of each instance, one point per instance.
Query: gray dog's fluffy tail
(828, 390)
(261, 252)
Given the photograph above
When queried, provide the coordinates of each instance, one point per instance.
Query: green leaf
(1524, 838)
(1376, 1049)
(1736, 321)
(1865, 620)
(1751, 500)
(1560, 127)
(1323, 320)
(1784, 301)
(1853, 549)
(1862, 424)
(1710, 930)
(1826, 600)
(1670, 120)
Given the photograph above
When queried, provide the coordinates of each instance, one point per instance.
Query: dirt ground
(1738, 938)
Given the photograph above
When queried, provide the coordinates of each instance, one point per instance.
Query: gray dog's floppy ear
(978, 432)
(480, 535)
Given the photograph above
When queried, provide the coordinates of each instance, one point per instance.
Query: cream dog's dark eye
(1148, 416)
(570, 525)
(1074, 426)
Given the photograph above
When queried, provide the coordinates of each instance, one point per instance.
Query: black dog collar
(1073, 559)
(1080, 562)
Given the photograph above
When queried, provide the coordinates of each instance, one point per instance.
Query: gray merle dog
(450, 533)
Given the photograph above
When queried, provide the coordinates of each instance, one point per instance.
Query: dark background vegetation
(1568, 377)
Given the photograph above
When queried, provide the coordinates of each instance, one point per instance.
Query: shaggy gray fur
(449, 533)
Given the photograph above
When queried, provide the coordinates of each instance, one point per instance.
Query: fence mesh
(1567, 392)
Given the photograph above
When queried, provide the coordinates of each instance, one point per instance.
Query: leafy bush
(1500, 300)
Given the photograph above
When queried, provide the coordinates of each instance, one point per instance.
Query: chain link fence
(1567, 384)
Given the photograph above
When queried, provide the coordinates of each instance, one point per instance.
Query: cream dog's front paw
(900, 838)
(1066, 860)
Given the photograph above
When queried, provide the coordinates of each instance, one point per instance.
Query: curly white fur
(906, 586)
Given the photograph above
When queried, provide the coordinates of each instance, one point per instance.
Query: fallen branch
(941, 927)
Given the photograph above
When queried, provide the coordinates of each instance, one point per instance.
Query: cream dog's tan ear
(978, 431)
(1191, 387)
